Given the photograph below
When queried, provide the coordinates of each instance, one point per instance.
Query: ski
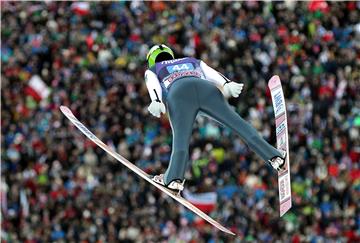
(67, 112)
(278, 101)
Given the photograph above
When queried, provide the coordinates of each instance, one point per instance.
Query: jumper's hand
(233, 89)
(156, 108)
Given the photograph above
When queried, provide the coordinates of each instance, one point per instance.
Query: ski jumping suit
(189, 85)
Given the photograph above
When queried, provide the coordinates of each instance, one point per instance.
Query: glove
(232, 89)
(156, 108)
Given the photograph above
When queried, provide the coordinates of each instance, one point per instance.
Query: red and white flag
(206, 202)
(81, 8)
(37, 88)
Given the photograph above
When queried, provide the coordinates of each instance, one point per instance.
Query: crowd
(56, 186)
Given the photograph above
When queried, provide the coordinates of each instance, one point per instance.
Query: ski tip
(274, 80)
(65, 109)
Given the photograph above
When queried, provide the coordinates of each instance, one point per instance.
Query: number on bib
(180, 67)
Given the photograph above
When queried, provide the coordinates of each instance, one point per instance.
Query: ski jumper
(187, 86)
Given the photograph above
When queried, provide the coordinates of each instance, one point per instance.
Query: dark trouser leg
(218, 107)
(182, 110)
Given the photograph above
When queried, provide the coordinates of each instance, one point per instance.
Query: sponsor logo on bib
(177, 75)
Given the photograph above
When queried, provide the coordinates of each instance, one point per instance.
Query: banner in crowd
(37, 88)
(206, 202)
(81, 8)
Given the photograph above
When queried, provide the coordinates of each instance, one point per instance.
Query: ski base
(282, 142)
(67, 112)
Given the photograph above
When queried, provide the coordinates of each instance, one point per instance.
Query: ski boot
(176, 185)
(278, 163)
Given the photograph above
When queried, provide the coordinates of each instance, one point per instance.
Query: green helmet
(159, 53)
